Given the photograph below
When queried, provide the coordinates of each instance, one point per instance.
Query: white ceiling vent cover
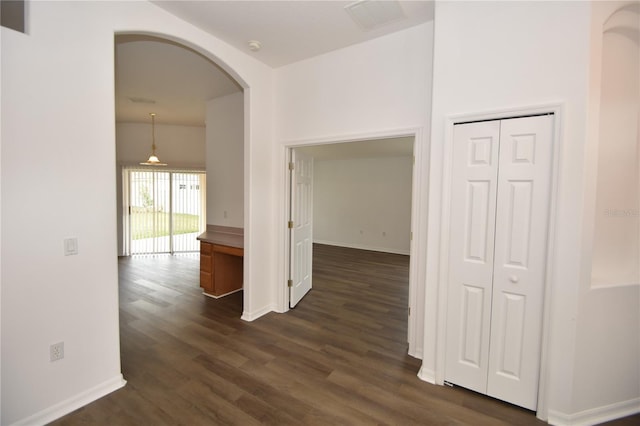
(371, 14)
(140, 100)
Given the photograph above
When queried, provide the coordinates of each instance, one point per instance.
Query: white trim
(247, 274)
(427, 375)
(417, 245)
(363, 247)
(602, 286)
(552, 235)
(250, 316)
(416, 352)
(222, 295)
(71, 404)
(443, 250)
(415, 322)
(596, 415)
(353, 137)
(443, 253)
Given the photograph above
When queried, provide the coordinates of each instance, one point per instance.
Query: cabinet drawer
(206, 248)
(206, 282)
(233, 251)
(206, 263)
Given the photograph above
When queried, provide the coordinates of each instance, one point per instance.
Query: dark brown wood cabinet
(220, 264)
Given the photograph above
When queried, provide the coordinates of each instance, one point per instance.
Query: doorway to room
(187, 90)
(350, 197)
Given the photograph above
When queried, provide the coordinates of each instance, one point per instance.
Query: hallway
(338, 358)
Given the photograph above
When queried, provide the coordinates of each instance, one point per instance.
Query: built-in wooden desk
(221, 256)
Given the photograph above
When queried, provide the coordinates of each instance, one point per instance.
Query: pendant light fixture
(153, 158)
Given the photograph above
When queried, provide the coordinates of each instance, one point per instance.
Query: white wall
(225, 153)
(379, 85)
(375, 89)
(58, 175)
(178, 146)
(607, 365)
(492, 57)
(53, 188)
(617, 226)
(363, 203)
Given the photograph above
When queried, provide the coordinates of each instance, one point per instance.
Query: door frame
(443, 275)
(415, 323)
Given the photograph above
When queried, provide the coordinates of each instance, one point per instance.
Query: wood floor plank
(340, 357)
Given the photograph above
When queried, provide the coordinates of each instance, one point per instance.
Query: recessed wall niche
(616, 253)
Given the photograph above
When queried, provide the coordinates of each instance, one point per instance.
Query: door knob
(514, 279)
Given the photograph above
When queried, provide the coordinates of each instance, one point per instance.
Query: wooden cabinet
(220, 269)
(206, 267)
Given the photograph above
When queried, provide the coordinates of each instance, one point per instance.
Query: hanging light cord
(153, 159)
(153, 133)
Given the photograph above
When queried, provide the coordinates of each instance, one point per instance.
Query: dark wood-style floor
(340, 357)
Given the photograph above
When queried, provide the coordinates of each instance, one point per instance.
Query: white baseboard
(251, 316)
(595, 415)
(71, 404)
(427, 375)
(415, 352)
(222, 295)
(362, 247)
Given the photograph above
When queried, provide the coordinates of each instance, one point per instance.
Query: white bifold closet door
(500, 192)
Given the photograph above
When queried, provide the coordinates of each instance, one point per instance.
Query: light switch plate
(70, 246)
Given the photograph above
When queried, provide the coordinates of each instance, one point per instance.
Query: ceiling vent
(138, 100)
(371, 14)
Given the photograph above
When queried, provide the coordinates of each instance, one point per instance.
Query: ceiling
(156, 75)
(291, 31)
(175, 82)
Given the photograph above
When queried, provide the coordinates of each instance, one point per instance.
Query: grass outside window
(142, 224)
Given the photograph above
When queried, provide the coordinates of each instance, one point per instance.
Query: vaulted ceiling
(155, 75)
(290, 31)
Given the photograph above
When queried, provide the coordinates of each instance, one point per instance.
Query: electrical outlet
(56, 351)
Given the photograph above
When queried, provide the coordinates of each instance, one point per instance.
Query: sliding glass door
(166, 210)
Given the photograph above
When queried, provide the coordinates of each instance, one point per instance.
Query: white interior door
(301, 226)
(499, 221)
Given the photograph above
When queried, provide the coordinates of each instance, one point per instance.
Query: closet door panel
(522, 215)
(471, 244)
